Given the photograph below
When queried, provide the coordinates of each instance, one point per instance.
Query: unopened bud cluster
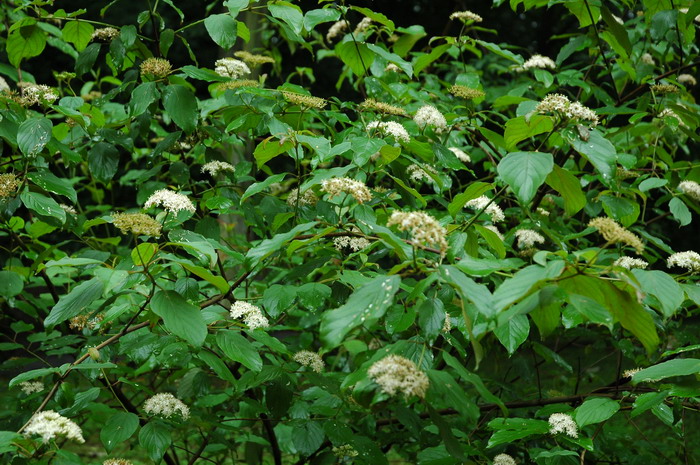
(614, 233)
(396, 374)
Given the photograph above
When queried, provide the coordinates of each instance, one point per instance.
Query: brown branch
(660, 76)
(272, 437)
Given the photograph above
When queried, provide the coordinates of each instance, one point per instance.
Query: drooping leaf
(239, 349)
(33, 135)
(181, 105)
(525, 172)
(675, 367)
(78, 33)
(120, 427)
(180, 317)
(75, 302)
(222, 30)
(595, 410)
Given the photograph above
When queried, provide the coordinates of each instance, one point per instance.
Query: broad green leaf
(262, 185)
(269, 246)
(599, 151)
(313, 18)
(219, 282)
(43, 206)
(269, 148)
(474, 380)
(498, 50)
(33, 135)
(239, 349)
(521, 128)
(277, 298)
(86, 59)
(142, 254)
(364, 307)
(624, 210)
(11, 284)
(595, 410)
(652, 183)
(180, 317)
(181, 105)
(120, 427)
(431, 317)
(155, 437)
(355, 55)
(662, 286)
(202, 74)
(675, 367)
(445, 391)
(142, 97)
(103, 161)
(469, 290)
(7, 441)
(680, 211)
(307, 437)
(30, 375)
(52, 183)
(195, 244)
(525, 172)
(376, 17)
(647, 401)
(405, 66)
(25, 42)
(511, 429)
(289, 13)
(569, 187)
(78, 33)
(591, 309)
(474, 190)
(513, 333)
(222, 30)
(75, 302)
(580, 9)
(427, 59)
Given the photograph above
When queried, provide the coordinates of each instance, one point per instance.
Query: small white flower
(493, 210)
(527, 238)
(363, 25)
(350, 242)
(398, 374)
(424, 228)
(4, 86)
(230, 67)
(49, 425)
(252, 315)
(428, 115)
(691, 189)
(309, 359)
(689, 260)
(539, 61)
(307, 198)
(629, 263)
(30, 387)
(503, 459)
(687, 79)
(563, 423)
(170, 201)
(647, 59)
(357, 189)
(460, 154)
(167, 405)
(336, 30)
(418, 174)
(215, 167)
(391, 128)
(466, 16)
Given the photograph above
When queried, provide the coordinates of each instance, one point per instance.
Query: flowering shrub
(464, 252)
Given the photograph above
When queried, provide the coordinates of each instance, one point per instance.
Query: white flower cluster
(398, 374)
(563, 423)
(167, 405)
(252, 315)
(647, 59)
(424, 228)
(30, 387)
(539, 61)
(363, 25)
(527, 238)
(336, 29)
(391, 128)
(689, 260)
(68, 209)
(170, 201)
(117, 462)
(428, 115)
(629, 263)
(668, 112)
(691, 189)
(493, 210)
(466, 16)
(351, 242)
(307, 198)
(230, 67)
(105, 33)
(503, 459)
(336, 186)
(629, 373)
(560, 104)
(309, 359)
(460, 154)
(49, 425)
(215, 167)
(33, 94)
(418, 174)
(686, 79)
(346, 450)
(4, 86)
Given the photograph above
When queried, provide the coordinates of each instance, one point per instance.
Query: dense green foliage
(463, 242)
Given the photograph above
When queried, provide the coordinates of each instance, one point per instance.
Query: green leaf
(142, 97)
(75, 302)
(78, 33)
(307, 436)
(103, 161)
(33, 135)
(181, 105)
(269, 148)
(469, 290)
(222, 30)
(513, 333)
(29, 375)
(180, 317)
(405, 66)
(474, 380)
(290, 14)
(355, 55)
(431, 317)
(86, 59)
(155, 438)
(599, 151)
(25, 42)
(43, 206)
(142, 254)
(261, 186)
(591, 309)
(313, 18)
(218, 281)
(525, 172)
(647, 401)
(11, 284)
(662, 286)
(512, 429)
(652, 183)
(522, 128)
(203, 74)
(239, 349)
(118, 428)
(569, 187)
(624, 210)
(675, 367)
(364, 307)
(680, 211)
(475, 189)
(269, 246)
(427, 59)
(376, 17)
(595, 410)
(52, 183)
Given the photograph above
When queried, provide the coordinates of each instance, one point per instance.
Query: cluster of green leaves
(507, 334)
